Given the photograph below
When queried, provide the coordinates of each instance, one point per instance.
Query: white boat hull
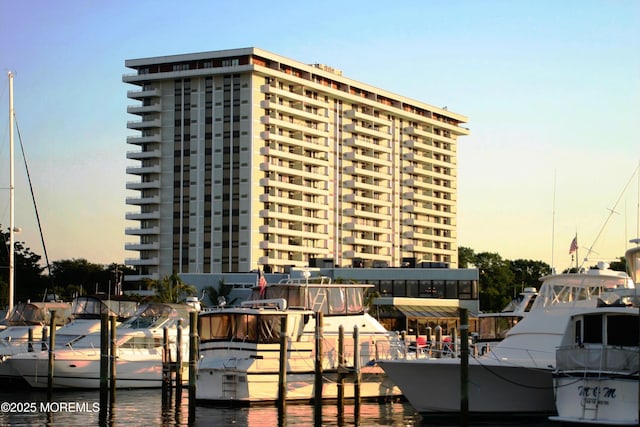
(82, 369)
(243, 382)
(492, 388)
(609, 401)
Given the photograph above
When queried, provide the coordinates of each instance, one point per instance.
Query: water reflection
(147, 407)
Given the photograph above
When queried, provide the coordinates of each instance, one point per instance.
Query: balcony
(137, 231)
(368, 145)
(131, 246)
(152, 200)
(293, 96)
(321, 160)
(370, 131)
(142, 262)
(143, 124)
(292, 111)
(137, 94)
(142, 155)
(358, 115)
(142, 109)
(141, 170)
(321, 131)
(137, 185)
(139, 216)
(140, 140)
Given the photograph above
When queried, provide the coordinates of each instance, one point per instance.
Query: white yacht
(493, 327)
(515, 377)
(139, 346)
(82, 317)
(596, 378)
(240, 346)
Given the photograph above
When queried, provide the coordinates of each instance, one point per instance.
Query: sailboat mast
(11, 198)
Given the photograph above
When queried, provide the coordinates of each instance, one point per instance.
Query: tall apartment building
(246, 159)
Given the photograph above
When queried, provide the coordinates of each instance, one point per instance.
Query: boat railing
(277, 303)
(601, 358)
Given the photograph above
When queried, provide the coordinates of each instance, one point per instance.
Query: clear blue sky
(551, 89)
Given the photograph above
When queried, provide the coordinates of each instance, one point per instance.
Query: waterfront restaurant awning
(418, 311)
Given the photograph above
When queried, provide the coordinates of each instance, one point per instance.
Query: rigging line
(33, 198)
(611, 212)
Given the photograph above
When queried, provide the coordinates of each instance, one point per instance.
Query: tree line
(500, 280)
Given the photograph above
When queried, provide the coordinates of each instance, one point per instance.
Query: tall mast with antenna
(11, 198)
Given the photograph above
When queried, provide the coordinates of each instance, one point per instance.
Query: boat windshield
(263, 328)
(573, 288)
(91, 307)
(153, 316)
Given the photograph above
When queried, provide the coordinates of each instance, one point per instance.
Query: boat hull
(592, 400)
(82, 370)
(248, 387)
(492, 388)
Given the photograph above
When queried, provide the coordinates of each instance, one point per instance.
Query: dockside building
(243, 159)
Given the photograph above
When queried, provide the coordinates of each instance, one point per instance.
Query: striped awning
(417, 311)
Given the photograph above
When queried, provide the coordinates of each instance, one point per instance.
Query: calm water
(145, 407)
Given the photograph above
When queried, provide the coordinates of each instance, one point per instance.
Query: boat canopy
(38, 313)
(330, 299)
(261, 327)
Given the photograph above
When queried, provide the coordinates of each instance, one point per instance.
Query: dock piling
(193, 364)
(464, 367)
(52, 344)
(113, 358)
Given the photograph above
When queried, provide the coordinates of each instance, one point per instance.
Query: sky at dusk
(551, 90)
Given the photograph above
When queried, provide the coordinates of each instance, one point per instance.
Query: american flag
(574, 245)
(262, 283)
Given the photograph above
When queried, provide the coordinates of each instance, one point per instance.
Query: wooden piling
(30, 340)
(113, 357)
(318, 381)
(104, 359)
(166, 365)
(357, 375)
(282, 367)
(52, 344)
(438, 339)
(341, 371)
(464, 368)
(193, 364)
(179, 358)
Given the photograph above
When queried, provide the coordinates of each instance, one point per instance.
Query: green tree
(29, 283)
(496, 281)
(466, 257)
(527, 273)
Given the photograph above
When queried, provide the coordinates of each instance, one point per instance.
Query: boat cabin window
(142, 342)
(260, 328)
(623, 331)
(592, 331)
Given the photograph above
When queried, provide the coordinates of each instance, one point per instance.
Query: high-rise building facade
(246, 159)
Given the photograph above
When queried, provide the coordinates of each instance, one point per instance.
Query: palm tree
(222, 292)
(171, 289)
